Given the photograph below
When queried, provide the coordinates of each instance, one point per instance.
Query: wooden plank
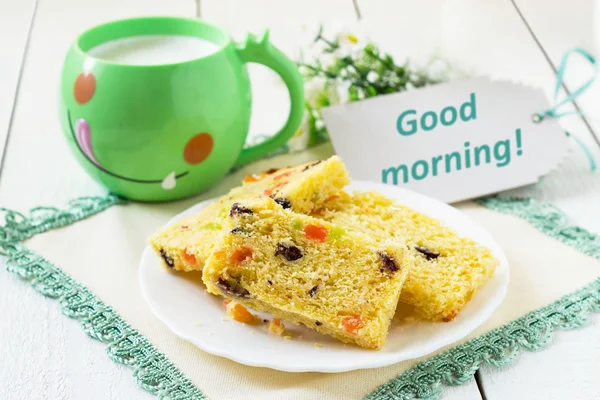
(51, 357)
(575, 190)
(405, 29)
(15, 22)
(559, 29)
(575, 33)
(284, 19)
(39, 168)
(560, 371)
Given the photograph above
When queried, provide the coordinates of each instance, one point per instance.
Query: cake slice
(300, 188)
(447, 268)
(307, 271)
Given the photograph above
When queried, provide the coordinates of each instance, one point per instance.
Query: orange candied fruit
(283, 175)
(353, 323)
(253, 178)
(188, 258)
(226, 301)
(316, 232)
(275, 188)
(241, 314)
(240, 254)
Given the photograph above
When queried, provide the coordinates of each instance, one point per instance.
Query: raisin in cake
(447, 269)
(308, 271)
(300, 188)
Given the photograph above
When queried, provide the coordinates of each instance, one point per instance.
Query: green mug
(168, 130)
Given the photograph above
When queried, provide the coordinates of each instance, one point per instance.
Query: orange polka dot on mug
(198, 148)
(84, 88)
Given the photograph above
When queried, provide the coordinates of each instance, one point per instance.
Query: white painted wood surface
(16, 20)
(49, 355)
(45, 354)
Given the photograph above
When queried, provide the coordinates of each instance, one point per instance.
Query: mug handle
(260, 50)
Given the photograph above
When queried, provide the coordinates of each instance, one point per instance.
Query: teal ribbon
(554, 111)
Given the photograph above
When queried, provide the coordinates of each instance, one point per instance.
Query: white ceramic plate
(180, 301)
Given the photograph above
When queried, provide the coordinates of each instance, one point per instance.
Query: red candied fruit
(316, 232)
(275, 188)
(353, 323)
(240, 254)
(282, 175)
(188, 257)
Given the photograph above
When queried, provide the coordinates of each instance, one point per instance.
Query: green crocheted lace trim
(530, 332)
(156, 374)
(152, 370)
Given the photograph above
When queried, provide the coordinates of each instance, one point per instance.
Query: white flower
(352, 39)
(437, 68)
(338, 92)
(310, 49)
(327, 60)
(313, 90)
(372, 77)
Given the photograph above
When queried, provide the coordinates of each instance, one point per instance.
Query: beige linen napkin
(103, 253)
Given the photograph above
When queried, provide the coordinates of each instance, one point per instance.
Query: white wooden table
(46, 356)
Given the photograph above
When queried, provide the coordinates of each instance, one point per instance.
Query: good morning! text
(410, 123)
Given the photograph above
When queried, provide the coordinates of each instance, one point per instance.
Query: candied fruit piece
(168, 260)
(211, 225)
(276, 326)
(389, 263)
(188, 257)
(336, 233)
(352, 324)
(429, 254)
(240, 255)
(233, 290)
(284, 203)
(288, 252)
(316, 232)
(237, 209)
(240, 313)
(253, 178)
(297, 224)
(275, 188)
(312, 165)
(271, 171)
(282, 175)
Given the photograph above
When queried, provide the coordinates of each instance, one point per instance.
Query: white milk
(154, 49)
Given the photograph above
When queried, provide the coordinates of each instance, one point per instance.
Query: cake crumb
(240, 313)
(276, 327)
(318, 344)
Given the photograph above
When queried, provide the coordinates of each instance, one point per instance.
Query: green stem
(318, 70)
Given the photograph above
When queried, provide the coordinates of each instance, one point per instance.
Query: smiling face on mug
(159, 108)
